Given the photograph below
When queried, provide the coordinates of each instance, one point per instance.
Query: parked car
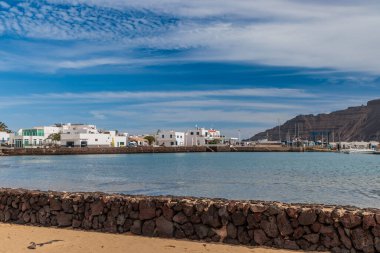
(132, 144)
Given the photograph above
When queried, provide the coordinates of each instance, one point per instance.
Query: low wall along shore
(137, 150)
(288, 226)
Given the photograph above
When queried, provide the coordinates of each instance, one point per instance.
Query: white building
(33, 137)
(71, 135)
(4, 138)
(355, 145)
(202, 137)
(80, 135)
(170, 138)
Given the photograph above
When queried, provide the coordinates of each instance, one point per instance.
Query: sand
(16, 238)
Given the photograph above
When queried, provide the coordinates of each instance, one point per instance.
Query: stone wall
(288, 226)
(104, 150)
(137, 150)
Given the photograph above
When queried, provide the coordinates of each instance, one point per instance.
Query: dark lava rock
(363, 240)
(148, 228)
(307, 217)
(147, 209)
(180, 218)
(164, 227)
(231, 231)
(238, 218)
(97, 208)
(284, 225)
(201, 230)
(270, 227)
(136, 227)
(64, 219)
(260, 237)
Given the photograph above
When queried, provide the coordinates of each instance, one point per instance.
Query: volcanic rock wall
(288, 226)
(139, 150)
(100, 150)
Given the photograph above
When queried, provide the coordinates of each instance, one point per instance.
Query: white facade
(79, 135)
(118, 140)
(355, 144)
(4, 138)
(170, 138)
(33, 137)
(202, 136)
(72, 135)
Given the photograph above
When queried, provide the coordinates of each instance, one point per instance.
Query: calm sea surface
(291, 177)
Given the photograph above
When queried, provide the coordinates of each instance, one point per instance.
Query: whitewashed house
(4, 138)
(118, 140)
(170, 138)
(33, 137)
(81, 135)
(71, 135)
(202, 137)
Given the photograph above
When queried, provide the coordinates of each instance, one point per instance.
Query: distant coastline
(150, 149)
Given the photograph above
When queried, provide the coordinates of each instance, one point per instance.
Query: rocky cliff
(352, 124)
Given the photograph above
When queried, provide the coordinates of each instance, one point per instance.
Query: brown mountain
(352, 124)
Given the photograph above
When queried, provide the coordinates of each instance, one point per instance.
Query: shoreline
(149, 150)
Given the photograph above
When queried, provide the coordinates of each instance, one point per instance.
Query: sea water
(328, 178)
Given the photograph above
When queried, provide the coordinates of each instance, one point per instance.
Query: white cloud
(139, 111)
(186, 115)
(90, 63)
(247, 92)
(285, 33)
(221, 103)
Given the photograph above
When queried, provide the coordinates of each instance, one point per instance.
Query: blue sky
(139, 66)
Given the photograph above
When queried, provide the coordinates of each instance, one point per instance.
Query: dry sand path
(16, 238)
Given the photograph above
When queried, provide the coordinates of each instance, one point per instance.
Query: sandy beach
(16, 238)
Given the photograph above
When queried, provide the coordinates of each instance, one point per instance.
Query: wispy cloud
(248, 92)
(139, 111)
(281, 33)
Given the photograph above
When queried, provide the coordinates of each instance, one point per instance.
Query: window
(192, 133)
(171, 136)
(197, 133)
(172, 143)
(163, 136)
(96, 139)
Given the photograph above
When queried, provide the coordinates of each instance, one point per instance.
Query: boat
(358, 151)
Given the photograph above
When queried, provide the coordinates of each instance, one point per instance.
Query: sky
(140, 66)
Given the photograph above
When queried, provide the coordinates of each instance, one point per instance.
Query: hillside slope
(352, 124)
